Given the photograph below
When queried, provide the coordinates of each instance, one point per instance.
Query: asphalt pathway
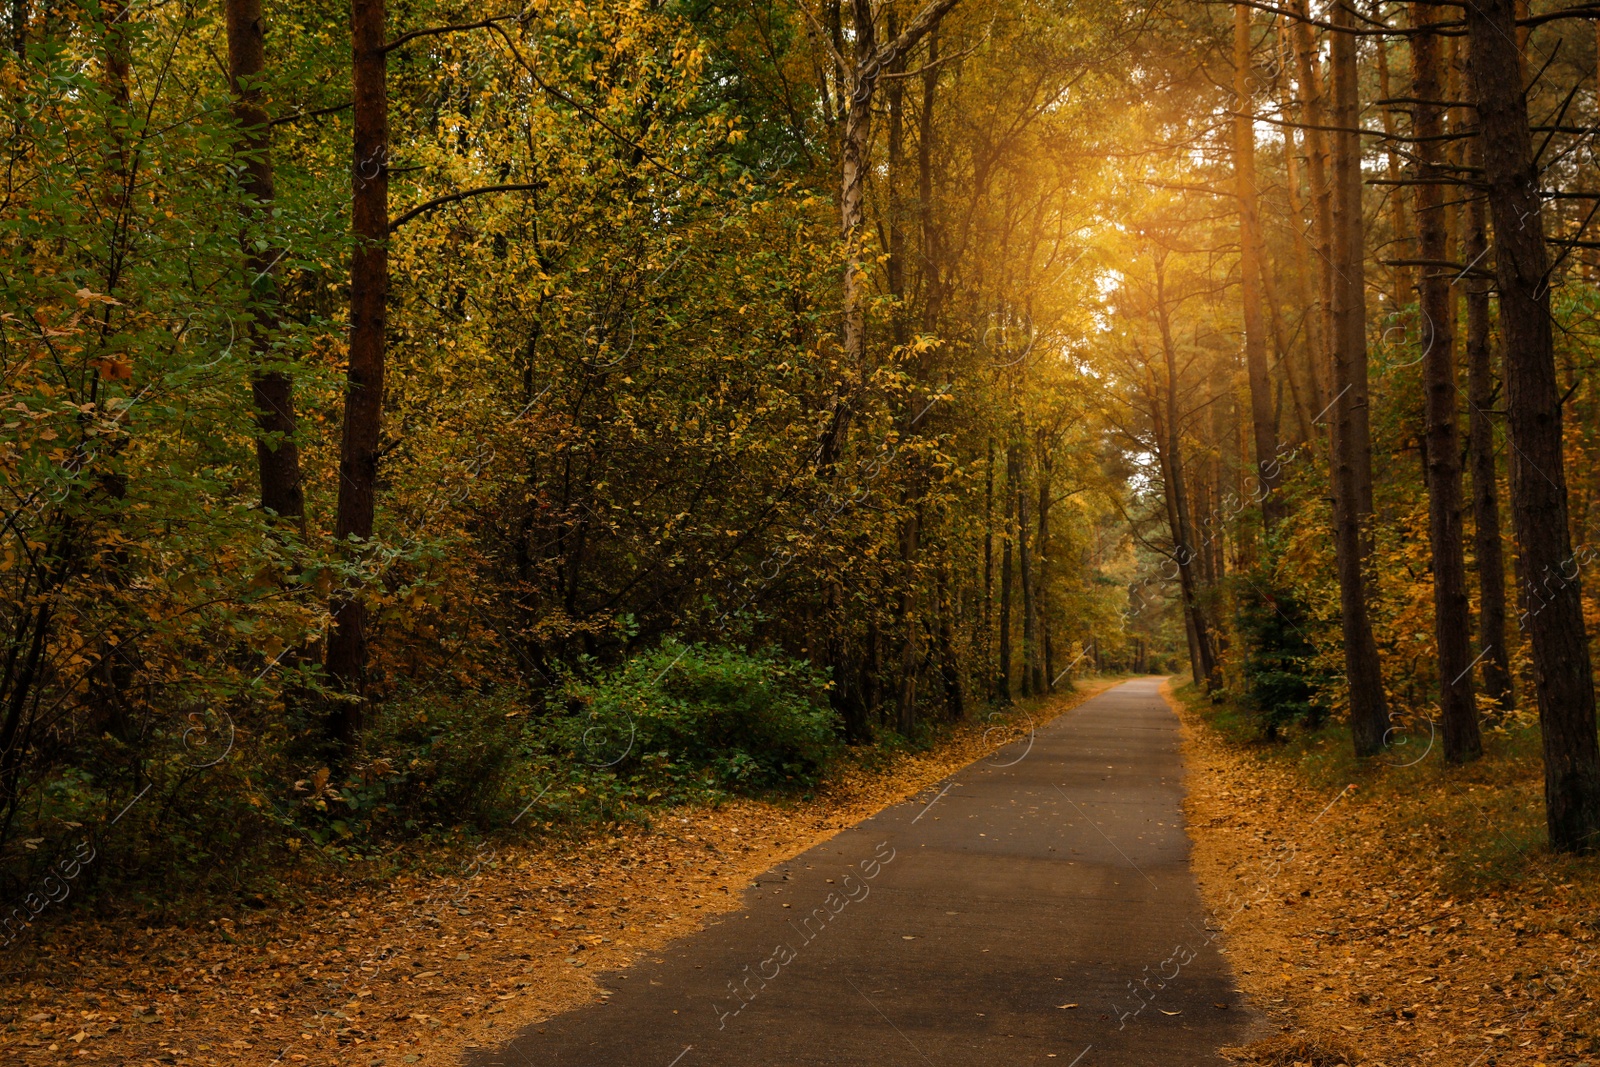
(1037, 907)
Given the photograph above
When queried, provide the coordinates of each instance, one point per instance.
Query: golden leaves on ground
(1367, 946)
(421, 966)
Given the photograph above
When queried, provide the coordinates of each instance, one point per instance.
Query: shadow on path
(1004, 917)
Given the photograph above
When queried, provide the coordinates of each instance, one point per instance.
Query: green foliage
(603, 410)
(1280, 681)
(674, 724)
(703, 716)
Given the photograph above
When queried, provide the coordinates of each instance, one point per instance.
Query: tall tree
(866, 68)
(363, 405)
(1262, 416)
(1452, 618)
(1308, 78)
(1169, 453)
(1486, 538)
(277, 453)
(1307, 275)
(1003, 673)
(1563, 676)
(1391, 157)
(1352, 438)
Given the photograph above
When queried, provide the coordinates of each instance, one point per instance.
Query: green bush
(1280, 682)
(440, 760)
(730, 719)
(679, 723)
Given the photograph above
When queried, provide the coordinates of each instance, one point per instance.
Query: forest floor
(1393, 915)
(420, 968)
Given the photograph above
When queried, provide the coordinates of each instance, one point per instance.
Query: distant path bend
(1004, 917)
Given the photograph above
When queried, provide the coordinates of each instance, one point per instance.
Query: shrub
(734, 720)
(1280, 682)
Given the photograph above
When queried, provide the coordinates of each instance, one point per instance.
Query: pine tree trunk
(1262, 417)
(1352, 471)
(1306, 278)
(1487, 546)
(1452, 615)
(1308, 74)
(1397, 210)
(1563, 677)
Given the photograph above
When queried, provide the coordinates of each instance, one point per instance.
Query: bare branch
(441, 201)
(434, 31)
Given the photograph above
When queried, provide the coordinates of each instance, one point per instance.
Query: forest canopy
(423, 416)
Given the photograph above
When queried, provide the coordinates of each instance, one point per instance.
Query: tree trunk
(1003, 675)
(854, 164)
(277, 454)
(895, 267)
(1311, 115)
(871, 673)
(988, 574)
(1170, 457)
(845, 694)
(955, 698)
(870, 62)
(1262, 417)
(1045, 680)
(1480, 448)
(1452, 615)
(1030, 651)
(906, 696)
(931, 259)
(363, 405)
(1352, 465)
(1306, 276)
(1563, 679)
(1397, 211)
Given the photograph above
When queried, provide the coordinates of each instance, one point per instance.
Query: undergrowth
(1479, 826)
(445, 778)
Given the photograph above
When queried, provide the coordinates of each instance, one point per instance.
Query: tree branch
(441, 201)
(434, 31)
(298, 115)
(586, 112)
(926, 20)
(1443, 29)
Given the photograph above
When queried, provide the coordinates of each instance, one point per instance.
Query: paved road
(1003, 918)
